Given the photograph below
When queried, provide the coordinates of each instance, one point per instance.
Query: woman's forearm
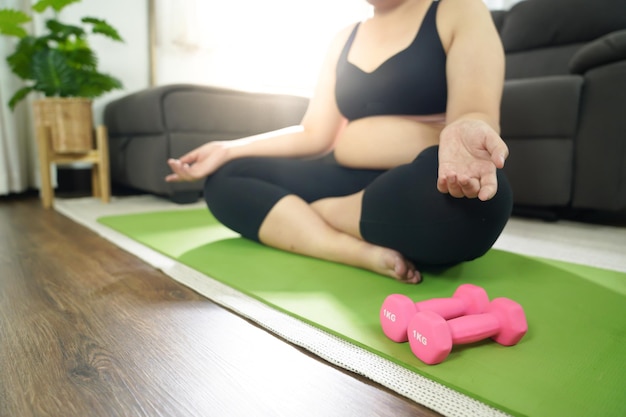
(289, 142)
(491, 119)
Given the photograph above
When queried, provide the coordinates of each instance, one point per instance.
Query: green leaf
(57, 5)
(59, 62)
(82, 58)
(94, 84)
(52, 74)
(20, 61)
(61, 32)
(102, 27)
(19, 96)
(11, 21)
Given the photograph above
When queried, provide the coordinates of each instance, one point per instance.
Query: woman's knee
(403, 210)
(238, 199)
(467, 234)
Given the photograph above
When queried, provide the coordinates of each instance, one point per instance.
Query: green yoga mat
(572, 361)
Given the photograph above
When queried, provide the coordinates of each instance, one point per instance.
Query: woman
(408, 103)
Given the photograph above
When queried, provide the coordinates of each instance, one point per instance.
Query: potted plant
(61, 65)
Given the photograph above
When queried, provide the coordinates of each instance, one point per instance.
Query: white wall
(128, 61)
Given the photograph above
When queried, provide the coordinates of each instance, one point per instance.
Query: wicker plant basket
(70, 121)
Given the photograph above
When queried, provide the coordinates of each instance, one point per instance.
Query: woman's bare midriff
(383, 142)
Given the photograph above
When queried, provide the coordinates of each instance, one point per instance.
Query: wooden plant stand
(99, 158)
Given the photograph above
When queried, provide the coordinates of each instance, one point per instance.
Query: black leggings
(402, 208)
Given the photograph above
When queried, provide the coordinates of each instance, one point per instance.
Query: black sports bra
(411, 82)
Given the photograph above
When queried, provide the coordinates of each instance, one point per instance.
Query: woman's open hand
(199, 163)
(470, 151)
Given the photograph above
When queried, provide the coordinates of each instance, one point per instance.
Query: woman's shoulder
(453, 15)
(342, 35)
(338, 41)
(462, 11)
(462, 5)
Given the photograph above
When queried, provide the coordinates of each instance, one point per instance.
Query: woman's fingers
(180, 171)
(459, 186)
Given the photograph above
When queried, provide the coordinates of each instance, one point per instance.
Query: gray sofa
(563, 112)
(148, 127)
(564, 103)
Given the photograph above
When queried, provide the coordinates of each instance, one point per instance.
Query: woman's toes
(416, 277)
(405, 271)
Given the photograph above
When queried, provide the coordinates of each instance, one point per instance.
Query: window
(272, 45)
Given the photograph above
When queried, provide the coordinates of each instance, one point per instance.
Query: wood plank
(88, 329)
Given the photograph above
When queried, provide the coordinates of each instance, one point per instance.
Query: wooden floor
(87, 329)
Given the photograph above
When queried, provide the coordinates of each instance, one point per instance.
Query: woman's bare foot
(392, 264)
(343, 213)
(292, 225)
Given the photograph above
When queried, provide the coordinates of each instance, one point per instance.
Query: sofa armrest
(604, 50)
(541, 107)
(600, 167)
(140, 113)
(220, 112)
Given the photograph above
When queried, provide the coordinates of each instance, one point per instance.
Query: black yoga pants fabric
(402, 208)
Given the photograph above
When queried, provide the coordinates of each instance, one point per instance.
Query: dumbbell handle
(397, 310)
(469, 329)
(445, 307)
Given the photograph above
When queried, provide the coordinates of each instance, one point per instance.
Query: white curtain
(18, 159)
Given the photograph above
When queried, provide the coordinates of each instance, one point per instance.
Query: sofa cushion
(539, 23)
(198, 108)
(541, 62)
(605, 50)
(226, 114)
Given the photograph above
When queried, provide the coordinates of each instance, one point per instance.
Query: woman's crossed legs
(383, 221)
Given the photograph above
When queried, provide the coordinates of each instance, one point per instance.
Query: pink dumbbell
(431, 337)
(398, 309)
